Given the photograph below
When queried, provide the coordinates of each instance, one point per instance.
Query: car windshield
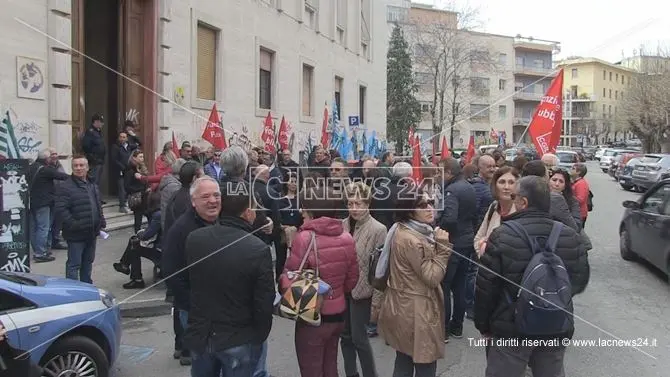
(566, 157)
(16, 278)
(609, 153)
(650, 159)
(633, 161)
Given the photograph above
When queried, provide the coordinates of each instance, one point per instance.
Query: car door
(650, 225)
(11, 302)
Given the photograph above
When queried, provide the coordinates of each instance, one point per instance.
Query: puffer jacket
(338, 265)
(368, 234)
(484, 198)
(79, 207)
(168, 186)
(507, 255)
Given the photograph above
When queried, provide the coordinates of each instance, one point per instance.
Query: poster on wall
(14, 240)
(30, 81)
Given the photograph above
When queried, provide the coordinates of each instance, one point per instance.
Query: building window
(574, 73)
(604, 108)
(519, 61)
(265, 79)
(362, 103)
(479, 112)
(310, 15)
(501, 84)
(610, 76)
(339, 84)
(365, 28)
(396, 14)
(502, 59)
(610, 93)
(604, 93)
(604, 74)
(502, 112)
(573, 91)
(622, 95)
(538, 63)
(425, 107)
(616, 94)
(424, 79)
(610, 111)
(480, 86)
(307, 88)
(206, 62)
(616, 77)
(622, 80)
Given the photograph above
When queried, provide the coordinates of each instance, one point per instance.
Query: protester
(559, 210)
(503, 265)
(581, 190)
(168, 186)
(213, 167)
(559, 182)
(317, 347)
(232, 289)
(181, 201)
(411, 317)
(136, 187)
(120, 153)
(290, 218)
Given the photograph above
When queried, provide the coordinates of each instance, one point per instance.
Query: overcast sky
(598, 28)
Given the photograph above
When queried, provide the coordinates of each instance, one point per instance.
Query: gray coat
(168, 186)
(560, 211)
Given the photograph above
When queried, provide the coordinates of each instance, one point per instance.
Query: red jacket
(338, 265)
(162, 168)
(580, 189)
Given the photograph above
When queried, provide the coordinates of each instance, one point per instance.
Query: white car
(600, 149)
(608, 156)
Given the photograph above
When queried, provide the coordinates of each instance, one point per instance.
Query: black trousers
(281, 251)
(132, 257)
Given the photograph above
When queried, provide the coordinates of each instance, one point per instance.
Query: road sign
(354, 121)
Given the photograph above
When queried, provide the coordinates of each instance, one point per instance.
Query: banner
(14, 233)
(213, 131)
(547, 122)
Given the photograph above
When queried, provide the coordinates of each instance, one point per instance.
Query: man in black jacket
(204, 211)
(79, 207)
(180, 202)
(459, 217)
(232, 290)
(503, 266)
(95, 149)
(120, 153)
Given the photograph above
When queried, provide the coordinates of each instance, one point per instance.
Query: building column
(165, 82)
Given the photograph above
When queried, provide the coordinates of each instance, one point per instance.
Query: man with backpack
(532, 267)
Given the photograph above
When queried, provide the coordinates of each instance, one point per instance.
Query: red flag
(410, 139)
(175, 146)
(268, 135)
(547, 123)
(445, 149)
(213, 131)
(325, 142)
(416, 159)
(283, 134)
(470, 153)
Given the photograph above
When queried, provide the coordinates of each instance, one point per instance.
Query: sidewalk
(150, 302)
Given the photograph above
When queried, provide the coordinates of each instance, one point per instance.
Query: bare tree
(448, 57)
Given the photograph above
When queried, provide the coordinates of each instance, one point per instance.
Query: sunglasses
(424, 205)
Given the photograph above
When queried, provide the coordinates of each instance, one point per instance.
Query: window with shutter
(206, 62)
(265, 79)
(307, 78)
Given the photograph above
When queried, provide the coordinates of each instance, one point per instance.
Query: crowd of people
(215, 221)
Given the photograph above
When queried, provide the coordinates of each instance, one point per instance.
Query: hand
(267, 228)
(481, 249)
(138, 175)
(441, 236)
(3, 332)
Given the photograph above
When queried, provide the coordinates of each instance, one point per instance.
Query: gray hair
(536, 191)
(581, 170)
(176, 166)
(234, 161)
(402, 170)
(550, 159)
(45, 153)
(451, 165)
(196, 184)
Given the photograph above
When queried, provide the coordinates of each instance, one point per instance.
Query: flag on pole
(547, 122)
(213, 131)
(445, 153)
(470, 153)
(282, 139)
(268, 135)
(8, 145)
(175, 146)
(325, 142)
(416, 159)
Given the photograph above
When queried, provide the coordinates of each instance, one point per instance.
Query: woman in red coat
(317, 347)
(162, 166)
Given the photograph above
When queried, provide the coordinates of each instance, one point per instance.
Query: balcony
(521, 121)
(528, 96)
(528, 70)
(532, 44)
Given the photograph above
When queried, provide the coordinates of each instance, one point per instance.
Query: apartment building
(164, 63)
(647, 63)
(593, 90)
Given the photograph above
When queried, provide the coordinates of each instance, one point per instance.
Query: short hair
(176, 166)
(499, 173)
(188, 172)
(339, 160)
(185, 144)
(320, 201)
(402, 170)
(385, 155)
(234, 161)
(406, 205)
(534, 168)
(536, 191)
(519, 162)
(198, 182)
(581, 170)
(45, 153)
(358, 190)
(451, 165)
(236, 200)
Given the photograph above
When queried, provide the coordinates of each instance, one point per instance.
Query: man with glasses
(213, 168)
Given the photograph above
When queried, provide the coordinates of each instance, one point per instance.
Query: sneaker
(446, 339)
(185, 360)
(122, 268)
(43, 259)
(456, 332)
(134, 284)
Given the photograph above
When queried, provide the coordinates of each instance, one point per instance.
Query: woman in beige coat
(411, 317)
(503, 182)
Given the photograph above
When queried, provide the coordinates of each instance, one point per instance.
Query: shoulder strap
(519, 230)
(492, 209)
(312, 245)
(552, 241)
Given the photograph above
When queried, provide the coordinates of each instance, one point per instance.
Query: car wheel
(624, 246)
(626, 187)
(604, 170)
(75, 356)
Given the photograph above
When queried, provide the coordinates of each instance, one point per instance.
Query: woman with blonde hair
(368, 234)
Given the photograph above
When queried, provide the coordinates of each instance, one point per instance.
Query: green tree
(403, 110)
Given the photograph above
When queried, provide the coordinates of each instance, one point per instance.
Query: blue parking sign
(353, 121)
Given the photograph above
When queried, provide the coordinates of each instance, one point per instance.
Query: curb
(145, 308)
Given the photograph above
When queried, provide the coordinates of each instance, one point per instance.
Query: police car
(70, 328)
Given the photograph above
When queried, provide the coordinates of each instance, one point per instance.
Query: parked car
(70, 328)
(650, 169)
(590, 153)
(644, 231)
(626, 176)
(511, 153)
(567, 159)
(619, 163)
(608, 155)
(600, 149)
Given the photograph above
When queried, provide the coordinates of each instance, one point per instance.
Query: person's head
(338, 168)
(578, 171)
(262, 173)
(186, 150)
(559, 181)
(209, 153)
(319, 201)
(286, 156)
(532, 192)
(189, 172)
(237, 201)
(419, 207)
(451, 168)
(550, 160)
(402, 170)
(519, 162)
(358, 200)
(503, 183)
(123, 138)
(234, 161)
(535, 168)
(206, 198)
(47, 155)
(97, 121)
(368, 168)
(129, 126)
(137, 157)
(215, 155)
(499, 158)
(469, 171)
(486, 165)
(176, 166)
(319, 154)
(387, 157)
(79, 166)
(291, 182)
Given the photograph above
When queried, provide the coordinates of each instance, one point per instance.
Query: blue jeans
(40, 230)
(80, 257)
(454, 283)
(240, 361)
(261, 367)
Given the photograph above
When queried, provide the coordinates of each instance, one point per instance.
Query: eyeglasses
(424, 205)
(218, 154)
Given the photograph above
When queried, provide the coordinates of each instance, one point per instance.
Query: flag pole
(523, 134)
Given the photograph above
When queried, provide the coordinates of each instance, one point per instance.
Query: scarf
(423, 229)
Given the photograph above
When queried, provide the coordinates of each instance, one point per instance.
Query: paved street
(624, 299)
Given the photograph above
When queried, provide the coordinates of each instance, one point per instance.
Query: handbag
(377, 283)
(135, 200)
(302, 291)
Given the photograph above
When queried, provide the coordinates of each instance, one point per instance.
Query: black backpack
(543, 304)
(589, 201)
